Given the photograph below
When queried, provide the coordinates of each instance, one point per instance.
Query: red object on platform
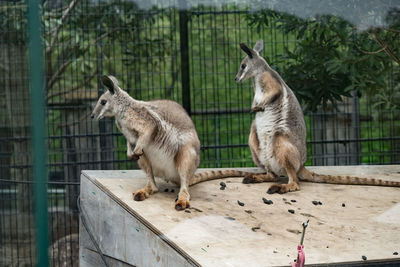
(301, 259)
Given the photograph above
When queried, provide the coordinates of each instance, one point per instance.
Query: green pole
(39, 155)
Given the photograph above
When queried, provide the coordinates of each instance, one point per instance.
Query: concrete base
(353, 221)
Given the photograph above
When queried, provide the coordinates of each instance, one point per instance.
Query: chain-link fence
(184, 51)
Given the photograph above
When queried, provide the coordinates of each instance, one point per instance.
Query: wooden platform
(353, 221)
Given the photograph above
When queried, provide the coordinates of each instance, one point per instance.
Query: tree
(332, 56)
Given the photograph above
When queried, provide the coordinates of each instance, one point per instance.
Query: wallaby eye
(243, 66)
(103, 102)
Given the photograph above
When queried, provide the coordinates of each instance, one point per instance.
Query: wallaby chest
(258, 92)
(268, 123)
(130, 134)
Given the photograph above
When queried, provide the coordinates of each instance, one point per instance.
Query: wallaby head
(252, 64)
(108, 103)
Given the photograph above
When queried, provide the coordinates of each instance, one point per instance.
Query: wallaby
(278, 133)
(161, 137)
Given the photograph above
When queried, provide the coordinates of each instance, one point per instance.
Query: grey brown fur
(161, 136)
(278, 133)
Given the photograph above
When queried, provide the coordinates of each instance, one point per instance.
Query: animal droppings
(343, 205)
(222, 188)
(230, 218)
(187, 211)
(364, 258)
(240, 203)
(291, 211)
(222, 184)
(293, 200)
(266, 201)
(166, 190)
(249, 211)
(254, 229)
(315, 202)
(395, 253)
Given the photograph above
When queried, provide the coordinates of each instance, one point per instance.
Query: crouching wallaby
(161, 136)
(278, 133)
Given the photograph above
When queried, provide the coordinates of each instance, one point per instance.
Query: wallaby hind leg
(288, 158)
(254, 148)
(151, 186)
(186, 162)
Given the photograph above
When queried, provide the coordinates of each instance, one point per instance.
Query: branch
(73, 88)
(62, 125)
(57, 29)
(54, 77)
(56, 74)
(104, 35)
(387, 49)
(393, 30)
(371, 52)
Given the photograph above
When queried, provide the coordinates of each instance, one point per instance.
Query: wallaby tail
(217, 174)
(308, 176)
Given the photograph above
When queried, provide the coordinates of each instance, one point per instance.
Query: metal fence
(188, 53)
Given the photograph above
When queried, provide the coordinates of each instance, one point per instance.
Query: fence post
(39, 155)
(184, 45)
(355, 129)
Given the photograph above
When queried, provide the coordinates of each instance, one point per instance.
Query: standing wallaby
(161, 136)
(278, 133)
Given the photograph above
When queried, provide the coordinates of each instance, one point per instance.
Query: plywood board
(219, 232)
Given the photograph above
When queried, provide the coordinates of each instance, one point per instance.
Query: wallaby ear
(247, 50)
(259, 46)
(110, 82)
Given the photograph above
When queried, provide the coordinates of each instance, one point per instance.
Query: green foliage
(332, 57)
(13, 19)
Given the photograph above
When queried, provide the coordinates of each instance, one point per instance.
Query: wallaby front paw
(136, 154)
(130, 148)
(132, 157)
(257, 109)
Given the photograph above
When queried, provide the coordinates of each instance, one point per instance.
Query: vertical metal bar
(184, 45)
(38, 131)
(355, 127)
